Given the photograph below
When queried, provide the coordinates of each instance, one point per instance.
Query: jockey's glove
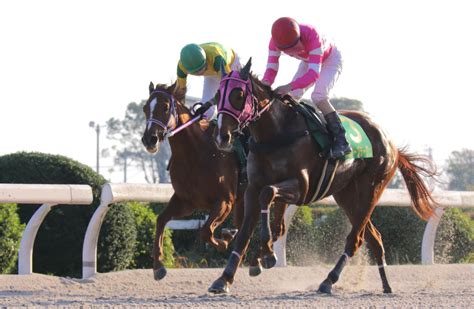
(202, 109)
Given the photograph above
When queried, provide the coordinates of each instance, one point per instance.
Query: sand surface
(290, 287)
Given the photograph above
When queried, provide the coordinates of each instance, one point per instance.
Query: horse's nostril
(153, 140)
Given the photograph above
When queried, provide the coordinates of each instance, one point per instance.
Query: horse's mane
(262, 86)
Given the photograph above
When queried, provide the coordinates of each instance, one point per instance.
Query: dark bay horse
(203, 177)
(289, 170)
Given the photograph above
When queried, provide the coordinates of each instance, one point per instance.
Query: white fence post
(25, 254)
(112, 193)
(50, 195)
(279, 247)
(427, 245)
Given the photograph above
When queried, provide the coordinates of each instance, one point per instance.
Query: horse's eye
(236, 98)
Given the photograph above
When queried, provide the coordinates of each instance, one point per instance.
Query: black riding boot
(339, 147)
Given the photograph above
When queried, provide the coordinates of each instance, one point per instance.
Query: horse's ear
(245, 72)
(151, 87)
(171, 89)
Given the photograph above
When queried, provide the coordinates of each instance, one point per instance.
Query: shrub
(301, 249)
(402, 234)
(58, 245)
(10, 235)
(455, 238)
(330, 234)
(145, 221)
(117, 239)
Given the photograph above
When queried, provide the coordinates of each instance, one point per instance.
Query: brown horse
(202, 176)
(289, 169)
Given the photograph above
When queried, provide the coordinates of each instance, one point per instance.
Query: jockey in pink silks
(320, 66)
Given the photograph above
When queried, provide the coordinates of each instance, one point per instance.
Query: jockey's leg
(330, 71)
(211, 85)
(340, 147)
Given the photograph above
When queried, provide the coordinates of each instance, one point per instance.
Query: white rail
(52, 195)
(49, 196)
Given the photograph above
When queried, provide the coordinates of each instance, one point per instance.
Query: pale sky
(65, 63)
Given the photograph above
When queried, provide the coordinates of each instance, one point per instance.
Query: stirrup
(341, 153)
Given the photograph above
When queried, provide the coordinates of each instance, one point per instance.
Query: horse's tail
(412, 167)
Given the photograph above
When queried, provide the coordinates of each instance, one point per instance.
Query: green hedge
(10, 236)
(145, 222)
(402, 234)
(58, 245)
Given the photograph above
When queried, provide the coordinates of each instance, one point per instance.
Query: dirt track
(360, 286)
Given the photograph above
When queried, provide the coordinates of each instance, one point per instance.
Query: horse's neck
(185, 142)
(271, 123)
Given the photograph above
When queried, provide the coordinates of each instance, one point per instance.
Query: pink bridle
(249, 111)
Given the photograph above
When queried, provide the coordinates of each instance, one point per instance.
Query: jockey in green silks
(206, 60)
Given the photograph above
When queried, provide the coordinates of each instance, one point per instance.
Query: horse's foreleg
(175, 209)
(374, 240)
(217, 215)
(222, 284)
(287, 191)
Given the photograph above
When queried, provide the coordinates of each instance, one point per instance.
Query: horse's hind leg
(358, 205)
(217, 215)
(175, 209)
(374, 241)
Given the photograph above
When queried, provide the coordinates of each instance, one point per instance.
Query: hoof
(159, 273)
(254, 271)
(219, 286)
(325, 287)
(269, 261)
(387, 290)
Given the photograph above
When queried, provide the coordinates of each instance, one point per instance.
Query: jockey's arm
(182, 76)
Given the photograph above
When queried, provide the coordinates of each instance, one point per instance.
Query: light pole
(93, 125)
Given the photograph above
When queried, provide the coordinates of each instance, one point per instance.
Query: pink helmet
(285, 32)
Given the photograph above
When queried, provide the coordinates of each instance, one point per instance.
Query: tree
(461, 170)
(129, 150)
(347, 104)
(343, 104)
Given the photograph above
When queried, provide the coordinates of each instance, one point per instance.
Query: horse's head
(235, 105)
(160, 114)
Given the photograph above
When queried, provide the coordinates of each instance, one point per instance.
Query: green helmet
(193, 58)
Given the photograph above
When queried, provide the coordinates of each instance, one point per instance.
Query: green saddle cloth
(355, 135)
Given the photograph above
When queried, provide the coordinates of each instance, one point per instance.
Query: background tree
(129, 150)
(347, 104)
(460, 168)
